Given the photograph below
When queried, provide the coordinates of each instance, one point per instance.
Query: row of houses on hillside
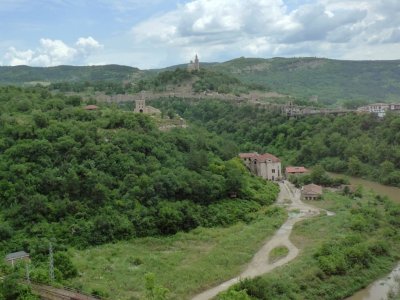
(379, 109)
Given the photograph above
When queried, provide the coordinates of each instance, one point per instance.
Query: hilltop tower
(194, 65)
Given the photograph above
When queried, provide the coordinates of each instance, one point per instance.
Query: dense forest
(204, 80)
(359, 145)
(80, 178)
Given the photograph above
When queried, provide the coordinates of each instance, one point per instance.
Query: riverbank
(388, 287)
(391, 192)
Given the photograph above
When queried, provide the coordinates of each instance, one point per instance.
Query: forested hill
(359, 145)
(331, 80)
(335, 82)
(83, 178)
(26, 74)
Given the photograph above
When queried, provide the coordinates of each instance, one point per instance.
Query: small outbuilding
(91, 107)
(295, 171)
(311, 192)
(13, 258)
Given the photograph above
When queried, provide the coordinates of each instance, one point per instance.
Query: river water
(379, 289)
(392, 192)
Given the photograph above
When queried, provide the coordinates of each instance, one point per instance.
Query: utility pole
(28, 278)
(51, 263)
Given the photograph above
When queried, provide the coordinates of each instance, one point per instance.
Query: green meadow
(185, 263)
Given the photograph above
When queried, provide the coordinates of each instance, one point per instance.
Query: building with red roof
(295, 170)
(264, 165)
(91, 107)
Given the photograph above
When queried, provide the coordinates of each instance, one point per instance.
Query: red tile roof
(266, 156)
(296, 170)
(312, 189)
(91, 107)
(248, 155)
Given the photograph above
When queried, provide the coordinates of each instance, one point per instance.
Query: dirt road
(289, 197)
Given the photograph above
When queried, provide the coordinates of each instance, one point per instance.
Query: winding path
(289, 197)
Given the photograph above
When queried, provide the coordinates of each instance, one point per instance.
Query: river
(380, 288)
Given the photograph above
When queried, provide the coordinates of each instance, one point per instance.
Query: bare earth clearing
(289, 197)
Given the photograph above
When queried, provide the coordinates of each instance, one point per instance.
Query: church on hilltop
(194, 65)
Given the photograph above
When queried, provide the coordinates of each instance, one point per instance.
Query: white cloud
(53, 53)
(15, 57)
(88, 45)
(222, 29)
(331, 28)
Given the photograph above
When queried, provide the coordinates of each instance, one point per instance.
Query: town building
(394, 107)
(194, 65)
(265, 165)
(15, 257)
(295, 171)
(311, 192)
(291, 110)
(379, 109)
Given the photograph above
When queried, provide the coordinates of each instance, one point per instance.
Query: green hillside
(359, 145)
(26, 74)
(331, 80)
(84, 178)
(335, 82)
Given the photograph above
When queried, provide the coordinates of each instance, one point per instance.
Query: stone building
(264, 165)
(311, 192)
(141, 107)
(194, 65)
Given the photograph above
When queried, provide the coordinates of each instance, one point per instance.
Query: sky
(156, 33)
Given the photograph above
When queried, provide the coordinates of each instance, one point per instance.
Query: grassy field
(185, 263)
(307, 277)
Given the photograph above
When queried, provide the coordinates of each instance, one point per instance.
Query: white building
(265, 165)
(379, 109)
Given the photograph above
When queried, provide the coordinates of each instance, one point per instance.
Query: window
(273, 171)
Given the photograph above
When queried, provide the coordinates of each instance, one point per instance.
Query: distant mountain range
(331, 81)
(25, 74)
